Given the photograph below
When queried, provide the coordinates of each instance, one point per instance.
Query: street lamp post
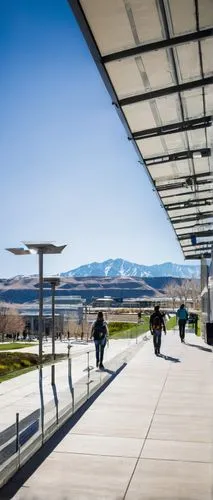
(40, 248)
(53, 281)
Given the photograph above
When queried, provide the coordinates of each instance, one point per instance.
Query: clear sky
(68, 172)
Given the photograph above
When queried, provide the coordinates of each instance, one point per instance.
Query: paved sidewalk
(148, 436)
(21, 394)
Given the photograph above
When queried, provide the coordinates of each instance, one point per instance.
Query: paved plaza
(22, 395)
(148, 436)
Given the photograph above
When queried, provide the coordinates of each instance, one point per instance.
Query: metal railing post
(70, 382)
(88, 376)
(42, 401)
(17, 439)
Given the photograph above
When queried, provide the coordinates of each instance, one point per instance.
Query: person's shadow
(207, 349)
(105, 370)
(170, 358)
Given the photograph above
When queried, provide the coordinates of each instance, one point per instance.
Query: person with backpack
(157, 324)
(100, 335)
(182, 316)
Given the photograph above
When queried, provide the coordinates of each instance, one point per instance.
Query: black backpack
(99, 330)
(156, 322)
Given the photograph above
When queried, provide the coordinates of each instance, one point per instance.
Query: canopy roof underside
(155, 57)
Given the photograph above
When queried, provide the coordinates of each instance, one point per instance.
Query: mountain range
(121, 267)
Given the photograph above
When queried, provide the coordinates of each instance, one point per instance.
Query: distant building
(140, 302)
(67, 308)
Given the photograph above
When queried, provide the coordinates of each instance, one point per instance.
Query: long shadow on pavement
(170, 358)
(10, 489)
(207, 349)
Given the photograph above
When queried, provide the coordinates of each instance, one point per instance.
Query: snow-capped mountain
(120, 267)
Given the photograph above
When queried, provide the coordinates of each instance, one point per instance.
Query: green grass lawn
(15, 345)
(171, 323)
(123, 330)
(13, 364)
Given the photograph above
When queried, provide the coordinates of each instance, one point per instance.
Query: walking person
(100, 335)
(182, 315)
(156, 324)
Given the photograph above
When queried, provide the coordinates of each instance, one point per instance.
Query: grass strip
(171, 323)
(13, 364)
(122, 330)
(9, 346)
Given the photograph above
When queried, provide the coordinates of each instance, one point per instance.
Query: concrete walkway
(21, 394)
(148, 436)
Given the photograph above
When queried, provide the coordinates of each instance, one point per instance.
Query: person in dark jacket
(182, 316)
(100, 335)
(156, 324)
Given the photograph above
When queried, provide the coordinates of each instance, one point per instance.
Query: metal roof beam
(178, 156)
(196, 176)
(174, 89)
(172, 128)
(191, 226)
(191, 218)
(198, 204)
(187, 193)
(200, 234)
(198, 256)
(189, 180)
(181, 185)
(188, 203)
(161, 44)
(199, 243)
(196, 248)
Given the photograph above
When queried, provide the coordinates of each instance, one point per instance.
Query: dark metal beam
(189, 204)
(180, 185)
(174, 89)
(196, 248)
(199, 246)
(200, 250)
(178, 156)
(172, 128)
(194, 177)
(181, 228)
(187, 193)
(162, 44)
(198, 256)
(191, 218)
(200, 234)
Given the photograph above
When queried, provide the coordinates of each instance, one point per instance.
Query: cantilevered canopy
(155, 57)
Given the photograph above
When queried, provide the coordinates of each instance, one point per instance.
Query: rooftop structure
(155, 58)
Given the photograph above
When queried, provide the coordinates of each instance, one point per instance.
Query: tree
(10, 321)
(195, 293)
(171, 291)
(188, 290)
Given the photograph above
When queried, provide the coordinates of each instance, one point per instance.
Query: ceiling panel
(188, 64)
(182, 16)
(205, 13)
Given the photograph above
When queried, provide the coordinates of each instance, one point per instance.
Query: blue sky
(68, 172)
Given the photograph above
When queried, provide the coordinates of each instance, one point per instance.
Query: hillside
(22, 289)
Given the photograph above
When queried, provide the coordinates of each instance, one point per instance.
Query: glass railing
(58, 391)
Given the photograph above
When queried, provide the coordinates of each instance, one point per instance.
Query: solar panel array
(155, 57)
